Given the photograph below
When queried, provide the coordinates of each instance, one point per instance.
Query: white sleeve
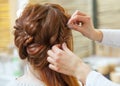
(96, 79)
(111, 37)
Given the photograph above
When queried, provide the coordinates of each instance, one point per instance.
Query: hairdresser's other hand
(83, 23)
(65, 61)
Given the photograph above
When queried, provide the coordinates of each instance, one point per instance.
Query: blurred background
(104, 59)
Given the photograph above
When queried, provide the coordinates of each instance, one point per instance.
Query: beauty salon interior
(102, 58)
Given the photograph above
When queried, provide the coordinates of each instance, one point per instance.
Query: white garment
(110, 38)
(28, 79)
(96, 79)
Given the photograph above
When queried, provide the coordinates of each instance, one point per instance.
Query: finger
(81, 13)
(60, 70)
(51, 61)
(56, 49)
(58, 45)
(76, 27)
(78, 21)
(78, 18)
(51, 53)
(53, 67)
(65, 48)
(55, 53)
(77, 12)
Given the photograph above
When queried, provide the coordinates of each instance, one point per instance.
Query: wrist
(97, 35)
(82, 71)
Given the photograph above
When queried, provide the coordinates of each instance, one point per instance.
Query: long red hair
(37, 29)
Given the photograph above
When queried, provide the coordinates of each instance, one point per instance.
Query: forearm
(82, 70)
(91, 78)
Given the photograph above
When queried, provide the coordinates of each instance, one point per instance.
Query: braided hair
(37, 29)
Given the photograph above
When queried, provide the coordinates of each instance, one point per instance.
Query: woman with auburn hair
(37, 29)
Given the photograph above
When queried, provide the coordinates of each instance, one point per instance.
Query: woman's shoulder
(14, 82)
(19, 83)
(23, 82)
(27, 79)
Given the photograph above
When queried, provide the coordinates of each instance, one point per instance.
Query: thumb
(75, 26)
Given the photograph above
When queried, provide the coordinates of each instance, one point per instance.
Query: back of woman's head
(37, 29)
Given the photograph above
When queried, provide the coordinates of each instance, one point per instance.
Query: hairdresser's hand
(65, 61)
(83, 23)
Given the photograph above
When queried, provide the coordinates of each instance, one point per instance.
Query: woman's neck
(34, 73)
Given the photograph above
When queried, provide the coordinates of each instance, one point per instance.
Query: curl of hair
(36, 31)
